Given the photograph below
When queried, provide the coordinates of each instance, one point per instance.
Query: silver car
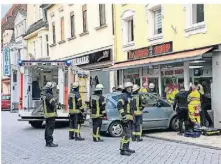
(158, 114)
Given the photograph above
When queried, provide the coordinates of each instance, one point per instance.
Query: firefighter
(169, 96)
(194, 106)
(139, 106)
(75, 107)
(180, 106)
(98, 111)
(125, 107)
(49, 106)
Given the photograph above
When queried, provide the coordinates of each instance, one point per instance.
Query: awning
(165, 59)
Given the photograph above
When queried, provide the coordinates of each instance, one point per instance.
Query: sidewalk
(213, 142)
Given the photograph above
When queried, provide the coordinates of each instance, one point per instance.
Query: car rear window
(5, 97)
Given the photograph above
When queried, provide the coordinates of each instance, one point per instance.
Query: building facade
(83, 34)
(154, 46)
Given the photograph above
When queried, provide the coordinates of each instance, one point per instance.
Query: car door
(156, 113)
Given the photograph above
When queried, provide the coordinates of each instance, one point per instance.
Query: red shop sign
(151, 51)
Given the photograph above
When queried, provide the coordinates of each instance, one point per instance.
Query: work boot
(71, 136)
(79, 138)
(133, 138)
(126, 153)
(139, 139)
(128, 149)
(51, 145)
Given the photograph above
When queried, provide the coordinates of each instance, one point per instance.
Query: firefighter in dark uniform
(75, 107)
(98, 111)
(181, 107)
(139, 106)
(49, 107)
(125, 107)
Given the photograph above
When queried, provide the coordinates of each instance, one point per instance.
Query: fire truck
(36, 74)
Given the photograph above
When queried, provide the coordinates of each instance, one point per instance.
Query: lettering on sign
(81, 60)
(169, 72)
(151, 51)
(6, 63)
(105, 55)
(179, 71)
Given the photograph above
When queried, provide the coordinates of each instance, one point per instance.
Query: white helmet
(75, 85)
(151, 85)
(120, 87)
(50, 85)
(128, 84)
(99, 87)
(135, 87)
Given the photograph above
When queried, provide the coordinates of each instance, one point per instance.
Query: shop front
(88, 71)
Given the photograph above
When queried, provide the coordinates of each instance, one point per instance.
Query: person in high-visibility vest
(169, 95)
(75, 108)
(194, 105)
(49, 106)
(138, 115)
(125, 106)
(97, 111)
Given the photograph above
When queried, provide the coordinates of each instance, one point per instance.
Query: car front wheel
(174, 125)
(115, 129)
(36, 124)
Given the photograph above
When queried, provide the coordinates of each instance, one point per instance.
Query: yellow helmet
(143, 90)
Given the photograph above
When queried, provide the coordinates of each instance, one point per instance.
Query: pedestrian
(181, 108)
(125, 107)
(75, 107)
(138, 116)
(98, 111)
(193, 100)
(49, 106)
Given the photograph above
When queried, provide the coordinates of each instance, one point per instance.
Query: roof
(9, 13)
(35, 26)
(179, 56)
(22, 12)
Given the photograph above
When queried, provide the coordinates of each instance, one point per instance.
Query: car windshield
(110, 105)
(5, 97)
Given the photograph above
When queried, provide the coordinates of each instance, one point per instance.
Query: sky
(4, 9)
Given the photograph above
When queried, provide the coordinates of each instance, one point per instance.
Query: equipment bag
(209, 131)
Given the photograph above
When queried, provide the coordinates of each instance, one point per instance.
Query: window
(5, 97)
(130, 30)
(84, 13)
(72, 20)
(34, 49)
(197, 13)
(152, 100)
(62, 28)
(47, 45)
(15, 76)
(53, 33)
(157, 22)
(102, 14)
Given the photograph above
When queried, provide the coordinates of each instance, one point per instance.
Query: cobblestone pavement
(22, 144)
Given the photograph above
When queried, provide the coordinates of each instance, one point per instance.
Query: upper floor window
(84, 14)
(62, 28)
(53, 33)
(72, 21)
(157, 22)
(197, 13)
(127, 21)
(102, 14)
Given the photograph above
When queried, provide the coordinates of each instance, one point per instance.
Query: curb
(184, 142)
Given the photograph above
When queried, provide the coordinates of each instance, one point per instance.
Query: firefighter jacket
(97, 105)
(139, 100)
(75, 103)
(171, 96)
(49, 105)
(194, 98)
(126, 106)
(180, 100)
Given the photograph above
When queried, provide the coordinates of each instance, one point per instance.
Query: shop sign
(6, 62)
(97, 57)
(151, 51)
(172, 72)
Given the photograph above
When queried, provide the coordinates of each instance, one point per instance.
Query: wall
(7, 35)
(94, 40)
(34, 14)
(180, 41)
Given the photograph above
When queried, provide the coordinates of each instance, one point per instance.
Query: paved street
(22, 144)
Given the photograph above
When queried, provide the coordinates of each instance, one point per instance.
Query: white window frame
(125, 17)
(150, 8)
(191, 28)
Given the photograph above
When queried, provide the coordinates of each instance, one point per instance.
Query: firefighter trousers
(97, 122)
(74, 129)
(125, 140)
(193, 113)
(137, 127)
(49, 129)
